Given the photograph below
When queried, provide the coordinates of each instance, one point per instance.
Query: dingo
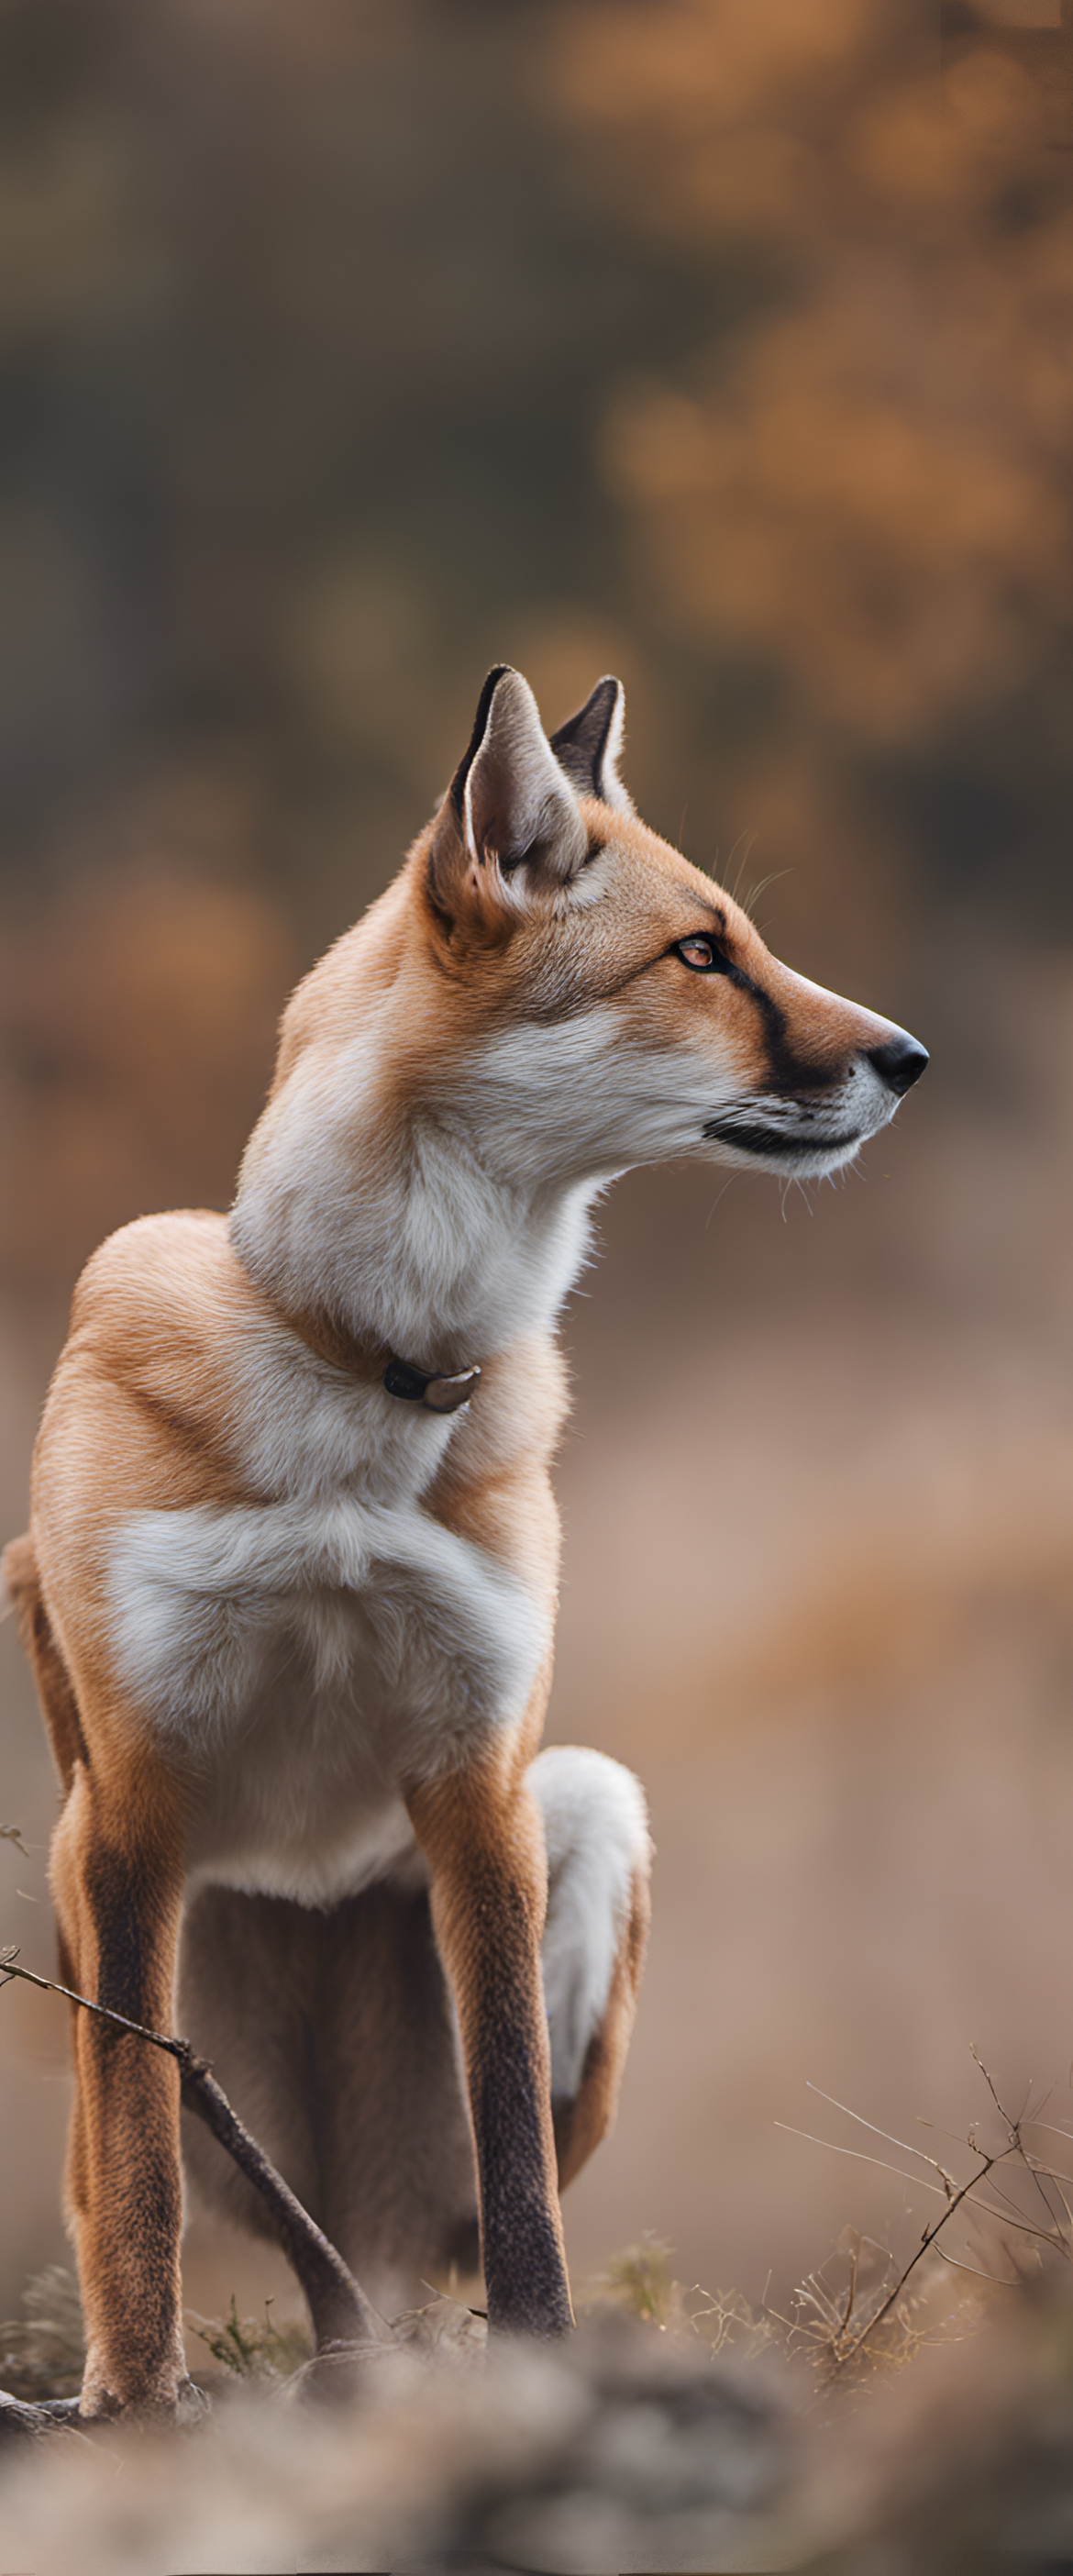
(290, 1583)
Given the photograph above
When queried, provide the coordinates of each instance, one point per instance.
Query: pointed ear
(509, 801)
(588, 745)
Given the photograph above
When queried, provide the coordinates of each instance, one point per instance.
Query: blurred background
(347, 346)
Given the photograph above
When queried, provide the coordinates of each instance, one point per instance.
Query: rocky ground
(643, 2448)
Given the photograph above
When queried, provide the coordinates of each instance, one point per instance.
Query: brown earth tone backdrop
(346, 347)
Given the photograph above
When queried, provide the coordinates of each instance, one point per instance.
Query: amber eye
(702, 955)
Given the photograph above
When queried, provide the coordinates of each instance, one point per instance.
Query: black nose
(899, 1063)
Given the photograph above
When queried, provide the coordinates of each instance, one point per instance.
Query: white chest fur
(306, 1653)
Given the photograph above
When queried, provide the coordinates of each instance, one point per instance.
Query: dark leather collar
(437, 1394)
(364, 1360)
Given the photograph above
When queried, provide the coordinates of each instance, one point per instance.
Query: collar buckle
(437, 1394)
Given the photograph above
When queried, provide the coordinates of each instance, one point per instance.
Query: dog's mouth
(781, 1144)
(808, 1133)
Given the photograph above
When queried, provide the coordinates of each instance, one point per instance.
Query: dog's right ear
(589, 745)
(511, 829)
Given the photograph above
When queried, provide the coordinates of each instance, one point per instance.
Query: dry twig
(340, 2311)
(843, 2323)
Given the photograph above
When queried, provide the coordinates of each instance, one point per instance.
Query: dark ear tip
(607, 694)
(497, 673)
(594, 718)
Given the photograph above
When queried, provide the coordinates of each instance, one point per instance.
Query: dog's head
(624, 1007)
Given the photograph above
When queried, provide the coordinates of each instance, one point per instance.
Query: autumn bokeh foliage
(864, 481)
(348, 346)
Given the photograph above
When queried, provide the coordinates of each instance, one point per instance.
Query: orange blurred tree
(858, 486)
(346, 346)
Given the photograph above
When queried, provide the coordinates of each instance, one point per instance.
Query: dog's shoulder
(144, 1393)
(157, 1289)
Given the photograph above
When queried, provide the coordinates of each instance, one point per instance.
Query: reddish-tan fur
(532, 922)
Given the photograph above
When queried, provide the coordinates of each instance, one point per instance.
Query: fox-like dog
(290, 1583)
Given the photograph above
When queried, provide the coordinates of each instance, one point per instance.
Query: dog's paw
(98, 2409)
(193, 2405)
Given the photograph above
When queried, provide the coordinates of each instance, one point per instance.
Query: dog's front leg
(482, 1833)
(117, 1879)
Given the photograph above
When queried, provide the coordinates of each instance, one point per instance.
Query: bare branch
(995, 2278)
(49, 1986)
(1053, 2132)
(926, 2243)
(916, 2181)
(340, 2311)
(984, 2196)
(878, 2133)
(989, 2080)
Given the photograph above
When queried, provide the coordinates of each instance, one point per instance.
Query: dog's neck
(403, 1245)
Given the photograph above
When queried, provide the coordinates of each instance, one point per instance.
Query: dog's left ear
(588, 745)
(510, 798)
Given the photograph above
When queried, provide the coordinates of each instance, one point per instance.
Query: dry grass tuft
(855, 2320)
(253, 2349)
(851, 2320)
(640, 2282)
(42, 2353)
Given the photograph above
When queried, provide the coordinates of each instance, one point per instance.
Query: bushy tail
(18, 1579)
(20, 1592)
